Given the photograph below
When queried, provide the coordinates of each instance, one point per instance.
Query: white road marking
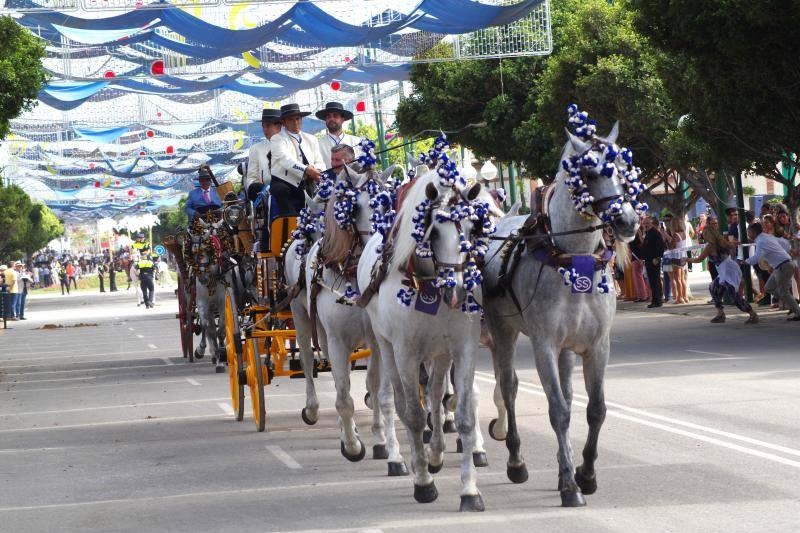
(117, 385)
(51, 380)
(152, 346)
(75, 356)
(612, 411)
(130, 329)
(103, 407)
(193, 381)
(712, 353)
(282, 456)
(50, 365)
(140, 335)
(671, 361)
(82, 370)
(112, 423)
(167, 361)
(227, 409)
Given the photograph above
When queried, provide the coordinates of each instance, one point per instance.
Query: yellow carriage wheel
(233, 349)
(256, 381)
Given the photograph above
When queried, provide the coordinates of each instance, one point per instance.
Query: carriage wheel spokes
(233, 349)
(256, 382)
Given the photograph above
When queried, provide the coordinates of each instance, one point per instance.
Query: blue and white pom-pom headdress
(605, 160)
(476, 211)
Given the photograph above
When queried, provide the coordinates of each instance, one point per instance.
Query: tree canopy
(25, 226)
(21, 72)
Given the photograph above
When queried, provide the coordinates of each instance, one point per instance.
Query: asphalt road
(104, 427)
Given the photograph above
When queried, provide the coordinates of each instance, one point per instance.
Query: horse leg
(351, 446)
(594, 366)
(302, 323)
(566, 363)
(438, 377)
(498, 427)
(449, 401)
(471, 499)
(479, 457)
(390, 395)
(547, 367)
(413, 417)
(503, 358)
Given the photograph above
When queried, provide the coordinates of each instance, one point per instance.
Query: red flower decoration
(141, 154)
(117, 182)
(91, 165)
(130, 192)
(150, 133)
(158, 114)
(96, 184)
(335, 85)
(110, 74)
(170, 149)
(361, 106)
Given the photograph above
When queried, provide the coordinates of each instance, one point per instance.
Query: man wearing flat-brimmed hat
(258, 161)
(204, 197)
(296, 159)
(335, 115)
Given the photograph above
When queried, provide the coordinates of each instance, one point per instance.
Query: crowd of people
(663, 250)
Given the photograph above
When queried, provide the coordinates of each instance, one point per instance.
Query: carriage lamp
(233, 215)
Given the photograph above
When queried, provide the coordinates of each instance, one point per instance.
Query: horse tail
(623, 254)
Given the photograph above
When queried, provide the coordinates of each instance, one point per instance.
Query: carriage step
(354, 366)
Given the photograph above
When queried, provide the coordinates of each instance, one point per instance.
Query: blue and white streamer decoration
(368, 159)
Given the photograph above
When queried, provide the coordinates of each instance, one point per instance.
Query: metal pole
(512, 194)
(748, 280)
(721, 189)
(376, 102)
(502, 182)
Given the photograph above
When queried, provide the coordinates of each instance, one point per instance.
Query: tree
(396, 153)
(731, 66)
(169, 222)
(25, 226)
(21, 72)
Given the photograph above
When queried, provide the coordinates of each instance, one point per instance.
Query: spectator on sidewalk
(714, 243)
(101, 271)
(63, 278)
(35, 278)
(776, 256)
(726, 284)
(652, 251)
(24, 281)
(10, 297)
(639, 289)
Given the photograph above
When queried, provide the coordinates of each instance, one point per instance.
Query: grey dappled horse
(559, 323)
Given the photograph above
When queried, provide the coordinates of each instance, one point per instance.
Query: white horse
(348, 224)
(435, 236)
(134, 275)
(595, 189)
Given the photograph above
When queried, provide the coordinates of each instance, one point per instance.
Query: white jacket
(258, 170)
(328, 141)
(287, 162)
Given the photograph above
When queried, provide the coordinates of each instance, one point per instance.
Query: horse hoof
(479, 459)
(368, 400)
(199, 355)
(435, 469)
(219, 369)
(213, 360)
(459, 446)
(307, 420)
(472, 503)
(425, 493)
(587, 484)
(450, 427)
(426, 436)
(397, 469)
(491, 430)
(449, 402)
(517, 474)
(572, 499)
(357, 457)
(379, 452)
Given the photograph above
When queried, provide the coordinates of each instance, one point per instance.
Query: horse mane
(404, 243)
(336, 242)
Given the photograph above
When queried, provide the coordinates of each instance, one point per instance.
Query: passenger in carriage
(204, 198)
(296, 163)
(341, 155)
(258, 172)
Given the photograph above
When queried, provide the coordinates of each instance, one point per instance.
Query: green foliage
(748, 191)
(21, 72)
(170, 222)
(397, 155)
(25, 226)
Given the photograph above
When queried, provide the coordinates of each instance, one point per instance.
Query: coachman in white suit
(335, 115)
(258, 162)
(296, 161)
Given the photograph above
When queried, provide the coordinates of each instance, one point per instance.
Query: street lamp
(488, 171)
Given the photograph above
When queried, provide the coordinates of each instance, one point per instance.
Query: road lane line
(167, 361)
(152, 346)
(725, 355)
(227, 409)
(50, 365)
(671, 361)
(49, 389)
(282, 456)
(81, 370)
(535, 389)
(50, 380)
(75, 356)
(103, 407)
(193, 381)
(130, 329)
(140, 335)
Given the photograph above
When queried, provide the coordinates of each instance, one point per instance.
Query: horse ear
(473, 192)
(612, 137)
(577, 144)
(386, 174)
(431, 192)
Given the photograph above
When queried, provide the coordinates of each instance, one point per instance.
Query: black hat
(334, 106)
(204, 174)
(290, 110)
(731, 210)
(271, 116)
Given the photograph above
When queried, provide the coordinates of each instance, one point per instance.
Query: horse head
(600, 178)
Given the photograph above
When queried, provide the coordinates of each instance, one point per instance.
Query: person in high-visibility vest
(140, 245)
(145, 269)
